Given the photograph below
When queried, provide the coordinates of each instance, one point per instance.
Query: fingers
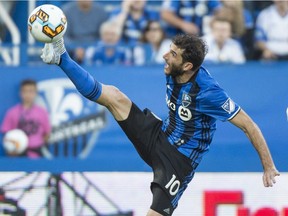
(267, 181)
(269, 178)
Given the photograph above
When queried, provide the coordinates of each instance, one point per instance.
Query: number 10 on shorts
(173, 185)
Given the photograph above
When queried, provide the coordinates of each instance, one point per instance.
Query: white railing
(11, 56)
(31, 7)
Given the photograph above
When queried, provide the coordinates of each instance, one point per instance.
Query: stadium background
(100, 173)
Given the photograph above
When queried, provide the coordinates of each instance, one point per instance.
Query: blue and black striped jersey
(194, 108)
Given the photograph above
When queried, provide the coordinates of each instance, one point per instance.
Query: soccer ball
(15, 141)
(47, 23)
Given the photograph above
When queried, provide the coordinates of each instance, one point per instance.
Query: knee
(115, 97)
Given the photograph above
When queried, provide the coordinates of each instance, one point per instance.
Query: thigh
(142, 128)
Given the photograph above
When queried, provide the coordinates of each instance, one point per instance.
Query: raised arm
(173, 20)
(250, 128)
(120, 18)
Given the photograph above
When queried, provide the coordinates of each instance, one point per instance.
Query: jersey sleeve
(217, 104)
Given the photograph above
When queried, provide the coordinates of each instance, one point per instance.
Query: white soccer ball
(47, 23)
(15, 141)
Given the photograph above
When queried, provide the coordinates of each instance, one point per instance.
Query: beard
(176, 70)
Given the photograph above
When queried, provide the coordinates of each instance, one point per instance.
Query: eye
(173, 53)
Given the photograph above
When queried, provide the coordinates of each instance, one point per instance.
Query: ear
(187, 66)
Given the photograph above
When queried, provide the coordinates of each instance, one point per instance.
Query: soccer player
(175, 147)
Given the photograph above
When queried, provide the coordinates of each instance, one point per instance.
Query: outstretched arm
(244, 122)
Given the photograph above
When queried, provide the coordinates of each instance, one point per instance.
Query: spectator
(133, 17)
(108, 50)
(155, 44)
(271, 32)
(242, 24)
(256, 6)
(84, 20)
(187, 16)
(222, 48)
(242, 18)
(30, 118)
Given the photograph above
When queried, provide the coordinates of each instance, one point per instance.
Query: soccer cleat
(51, 53)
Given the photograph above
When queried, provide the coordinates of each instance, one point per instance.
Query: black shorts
(172, 170)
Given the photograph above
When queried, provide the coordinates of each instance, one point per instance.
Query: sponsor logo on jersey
(170, 104)
(184, 113)
(229, 106)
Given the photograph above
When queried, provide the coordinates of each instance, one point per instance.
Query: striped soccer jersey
(194, 108)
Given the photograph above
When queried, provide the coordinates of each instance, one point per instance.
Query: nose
(165, 56)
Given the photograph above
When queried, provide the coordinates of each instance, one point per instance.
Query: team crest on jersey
(186, 100)
(229, 106)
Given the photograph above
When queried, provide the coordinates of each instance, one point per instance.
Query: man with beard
(173, 148)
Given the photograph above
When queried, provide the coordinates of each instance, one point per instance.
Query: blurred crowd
(139, 32)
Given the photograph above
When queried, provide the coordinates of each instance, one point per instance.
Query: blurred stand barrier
(71, 194)
(127, 194)
(10, 55)
(85, 130)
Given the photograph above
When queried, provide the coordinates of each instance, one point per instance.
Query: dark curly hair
(194, 49)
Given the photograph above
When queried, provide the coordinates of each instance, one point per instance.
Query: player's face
(174, 61)
(28, 94)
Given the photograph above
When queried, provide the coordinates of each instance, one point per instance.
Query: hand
(189, 28)
(269, 177)
(126, 6)
(268, 55)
